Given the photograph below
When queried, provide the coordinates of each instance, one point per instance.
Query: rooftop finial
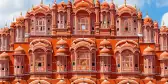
(112, 1)
(54, 1)
(20, 13)
(125, 2)
(13, 19)
(163, 23)
(6, 24)
(32, 6)
(28, 10)
(41, 1)
(117, 6)
(49, 5)
(147, 13)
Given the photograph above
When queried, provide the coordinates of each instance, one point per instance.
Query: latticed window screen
(40, 24)
(127, 60)
(83, 24)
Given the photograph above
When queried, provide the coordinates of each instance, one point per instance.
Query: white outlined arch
(81, 80)
(37, 81)
(128, 81)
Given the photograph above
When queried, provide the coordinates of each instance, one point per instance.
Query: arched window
(40, 24)
(83, 24)
(127, 56)
(93, 60)
(127, 60)
(20, 34)
(5, 42)
(40, 54)
(164, 42)
(105, 64)
(118, 64)
(126, 25)
(4, 65)
(39, 60)
(104, 20)
(83, 55)
(61, 20)
(61, 64)
(83, 59)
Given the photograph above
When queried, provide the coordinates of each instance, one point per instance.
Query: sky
(156, 9)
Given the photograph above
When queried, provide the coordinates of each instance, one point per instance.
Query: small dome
(164, 56)
(97, 3)
(12, 24)
(156, 24)
(62, 42)
(105, 5)
(147, 20)
(104, 52)
(149, 51)
(61, 52)
(41, 6)
(27, 14)
(62, 82)
(139, 15)
(20, 18)
(62, 2)
(105, 82)
(112, 5)
(127, 45)
(4, 56)
(69, 3)
(62, 5)
(163, 29)
(5, 30)
(123, 8)
(82, 4)
(54, 5)
(105, 42)
(150, 82)
(19, 50)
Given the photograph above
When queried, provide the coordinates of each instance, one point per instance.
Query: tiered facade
(84, 42)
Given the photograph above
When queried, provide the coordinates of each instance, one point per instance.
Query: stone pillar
(1, 42)
(54, 19)
(69, 17)
(27, 29)
(97, 24)
(113, 22)
(76, 29)
(12, 38)
(140, 30)
(46, 28)
(139, 26)
(120, 26)
(156, 40)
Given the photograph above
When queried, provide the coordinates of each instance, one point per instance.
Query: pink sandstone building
(83, 42)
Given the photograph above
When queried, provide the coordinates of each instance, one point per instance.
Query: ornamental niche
(83, 54)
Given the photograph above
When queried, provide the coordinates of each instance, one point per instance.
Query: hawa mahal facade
(83, 42)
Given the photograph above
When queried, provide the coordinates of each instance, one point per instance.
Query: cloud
(138, 3)
(165, 19)
(161, 3)
(10, 9)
